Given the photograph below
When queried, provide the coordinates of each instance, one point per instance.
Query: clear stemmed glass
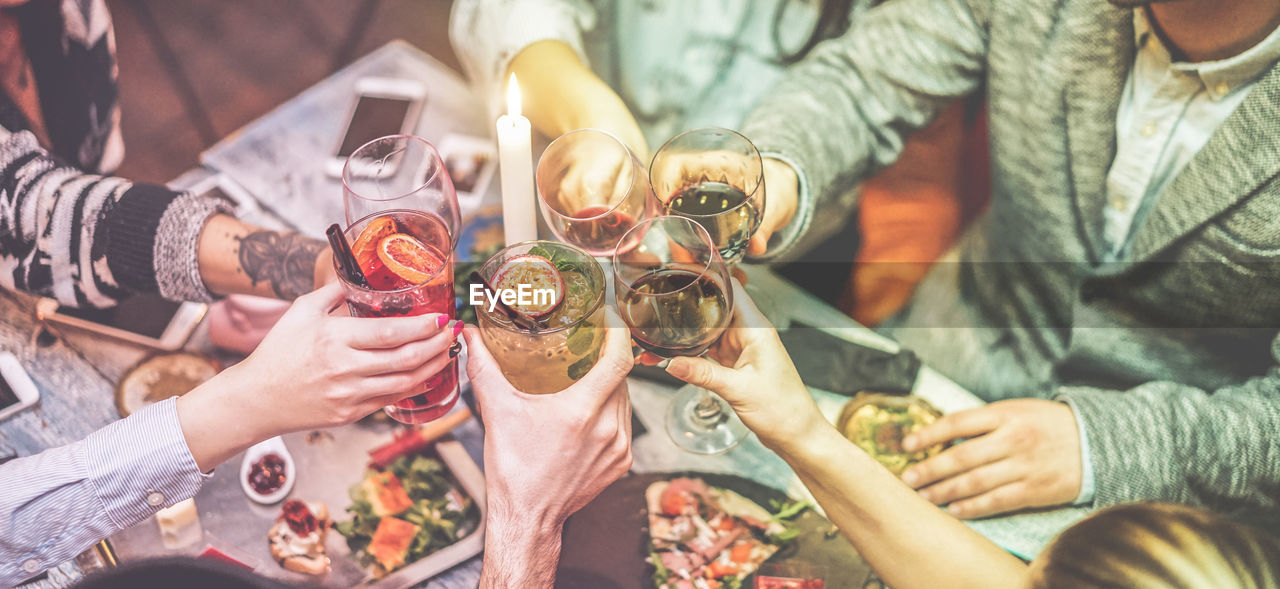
(399, 172)
(403, 219)
(674, 294)
(716, 177)
(591, 190)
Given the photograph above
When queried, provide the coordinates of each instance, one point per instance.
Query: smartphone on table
(144, 319)
(383, 106)
(17, 391)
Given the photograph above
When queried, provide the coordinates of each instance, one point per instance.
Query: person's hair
(1155, 545)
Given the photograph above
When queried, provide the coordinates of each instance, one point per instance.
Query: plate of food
(373, 504)
(402, 515)
(878, 423)
(697, 531)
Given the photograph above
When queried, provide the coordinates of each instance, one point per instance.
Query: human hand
(756, 376)
(546, 456)
(587, 172)
(313, 370)
(549, 455)
(782, 187)
(1020, 453)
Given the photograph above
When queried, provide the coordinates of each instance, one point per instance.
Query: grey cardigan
(1170, 356)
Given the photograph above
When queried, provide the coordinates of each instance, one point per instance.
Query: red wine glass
(674, 294)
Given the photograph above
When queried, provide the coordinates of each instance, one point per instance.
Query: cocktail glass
(566, 341)
(398, 185)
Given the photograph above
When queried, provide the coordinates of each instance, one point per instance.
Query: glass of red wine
(674, 294)
(591, 190)
(403, 219)
(716, 177)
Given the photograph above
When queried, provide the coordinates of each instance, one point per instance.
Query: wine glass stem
(707, 410)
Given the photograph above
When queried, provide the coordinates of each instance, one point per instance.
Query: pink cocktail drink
(407, 258)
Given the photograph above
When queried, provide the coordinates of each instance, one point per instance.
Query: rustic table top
(278, 162)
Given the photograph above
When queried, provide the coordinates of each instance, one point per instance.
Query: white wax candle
(515, 162)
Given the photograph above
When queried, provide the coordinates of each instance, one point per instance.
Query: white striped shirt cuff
(142, 464)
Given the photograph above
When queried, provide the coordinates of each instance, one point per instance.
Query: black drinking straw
(346, 260)
(515, 316)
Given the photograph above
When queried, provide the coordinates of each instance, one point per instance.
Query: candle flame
(513, 97)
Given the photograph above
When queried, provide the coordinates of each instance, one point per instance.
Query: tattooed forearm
(286, 261)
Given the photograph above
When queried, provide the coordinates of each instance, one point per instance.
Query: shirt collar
(1221, 77)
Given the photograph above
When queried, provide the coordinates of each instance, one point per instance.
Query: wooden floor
(193, 71)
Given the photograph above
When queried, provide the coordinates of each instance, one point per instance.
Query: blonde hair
(1154, 545)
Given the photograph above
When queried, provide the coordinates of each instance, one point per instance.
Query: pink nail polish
(457, 328)
(441, 320)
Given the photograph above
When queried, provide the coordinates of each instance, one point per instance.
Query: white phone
(17, 392)
(383, 106)
(145, 319)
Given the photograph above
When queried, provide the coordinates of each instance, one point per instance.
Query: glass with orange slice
(556, 336)
(402, 236)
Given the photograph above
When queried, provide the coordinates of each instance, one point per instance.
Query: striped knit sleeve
(58, 503)
(90, 240)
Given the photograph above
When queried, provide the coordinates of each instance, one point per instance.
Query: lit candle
(515, 162)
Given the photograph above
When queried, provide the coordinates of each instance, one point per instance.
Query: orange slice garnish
(408, 258)
(365, 249)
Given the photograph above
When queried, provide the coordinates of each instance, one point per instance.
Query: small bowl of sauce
(267, 472)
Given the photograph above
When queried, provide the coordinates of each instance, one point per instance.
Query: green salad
(404, 513)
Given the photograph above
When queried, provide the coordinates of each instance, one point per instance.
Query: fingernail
(910, 478)
(455, 349)
(909, 443)
(927, 496)
(457, 328)
(677, 369)
(441, 320)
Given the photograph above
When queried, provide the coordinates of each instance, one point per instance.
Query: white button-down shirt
(58, 503)
(1167, 113)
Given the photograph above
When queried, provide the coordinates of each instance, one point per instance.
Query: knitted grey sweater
(1169, 356)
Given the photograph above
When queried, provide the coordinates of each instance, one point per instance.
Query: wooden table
(278, 160)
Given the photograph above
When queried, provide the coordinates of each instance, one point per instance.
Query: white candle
(515, 162)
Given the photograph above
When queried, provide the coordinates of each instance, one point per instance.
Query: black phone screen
(7, 396)
(145, 315)
(374, 117)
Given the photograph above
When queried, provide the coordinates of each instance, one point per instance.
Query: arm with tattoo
(237, 258)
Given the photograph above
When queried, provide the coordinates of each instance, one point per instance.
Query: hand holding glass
(673, 293)
(403, 219)
(715, 177)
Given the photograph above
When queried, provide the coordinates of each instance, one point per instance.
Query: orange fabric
(16, 78)
(913, 211)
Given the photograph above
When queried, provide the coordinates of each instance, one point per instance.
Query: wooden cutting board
(606, 542)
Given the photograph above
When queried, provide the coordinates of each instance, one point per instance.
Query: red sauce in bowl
(267, 475)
